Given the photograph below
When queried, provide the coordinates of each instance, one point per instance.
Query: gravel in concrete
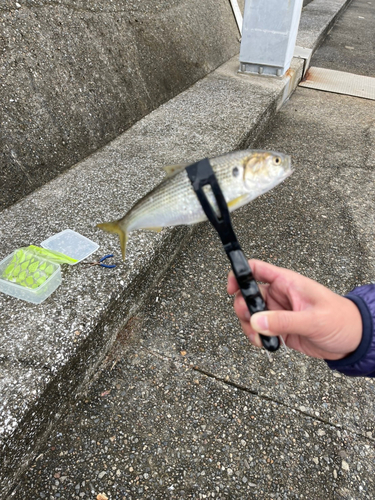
(61, 342)
(69, 333)
(350, 45)
(184, 406)
(155, 428)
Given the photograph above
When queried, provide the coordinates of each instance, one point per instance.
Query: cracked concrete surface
(184, 407)
(75, 75)
(155, 426)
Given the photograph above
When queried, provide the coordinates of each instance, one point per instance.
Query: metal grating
(339, 82)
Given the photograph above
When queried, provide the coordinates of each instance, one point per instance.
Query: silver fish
(242, 175)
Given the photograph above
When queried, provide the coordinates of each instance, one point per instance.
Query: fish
(243, 175)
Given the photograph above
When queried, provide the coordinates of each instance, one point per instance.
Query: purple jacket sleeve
(361, 363)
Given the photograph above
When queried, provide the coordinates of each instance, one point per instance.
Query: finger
(240, 307)
(267, 273)
(251, 334)
(232, 285)
(258, 268)
(262, 271)
(287, 279)
(283, 322)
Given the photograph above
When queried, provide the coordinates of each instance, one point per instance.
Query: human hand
(311, 318)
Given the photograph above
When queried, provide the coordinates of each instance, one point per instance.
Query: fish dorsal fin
(171, 170)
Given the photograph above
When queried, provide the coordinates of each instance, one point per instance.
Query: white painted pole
(237, 14)
(269, 35)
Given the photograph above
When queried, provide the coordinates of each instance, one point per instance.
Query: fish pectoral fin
(237, 202)
(171, 170)
(114, 227)
(154, 229)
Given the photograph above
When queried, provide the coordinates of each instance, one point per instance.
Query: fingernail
(260, 322)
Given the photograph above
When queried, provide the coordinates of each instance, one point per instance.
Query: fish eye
(236, 172)
(277, 160)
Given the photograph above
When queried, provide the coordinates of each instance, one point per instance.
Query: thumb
(281, 322)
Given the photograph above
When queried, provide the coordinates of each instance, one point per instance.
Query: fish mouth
(288, 170)
(288, 162)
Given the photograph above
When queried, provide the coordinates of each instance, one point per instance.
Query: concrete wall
(76, 73)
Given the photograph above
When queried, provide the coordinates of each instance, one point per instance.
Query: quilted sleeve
(361, 363)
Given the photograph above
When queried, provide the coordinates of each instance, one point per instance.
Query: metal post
(269, 35)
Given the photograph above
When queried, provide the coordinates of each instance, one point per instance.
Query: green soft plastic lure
(32, 266)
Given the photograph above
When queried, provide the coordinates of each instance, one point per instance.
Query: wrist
(360, 362)
(352, 327)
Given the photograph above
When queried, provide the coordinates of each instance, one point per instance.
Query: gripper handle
(251, 293)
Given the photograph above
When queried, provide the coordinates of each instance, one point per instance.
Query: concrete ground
(49, 352)
(183, 406)
(350, 47)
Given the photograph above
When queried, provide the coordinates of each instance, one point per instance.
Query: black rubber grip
(200, 175)
(251, 293)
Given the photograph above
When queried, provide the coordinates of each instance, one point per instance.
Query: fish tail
(114, 227)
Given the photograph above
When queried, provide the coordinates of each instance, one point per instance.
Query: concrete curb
(49, 352)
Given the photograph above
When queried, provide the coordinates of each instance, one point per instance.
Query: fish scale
(242, 175)
(183, 194)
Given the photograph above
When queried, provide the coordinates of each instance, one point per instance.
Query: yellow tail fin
(114, 227)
